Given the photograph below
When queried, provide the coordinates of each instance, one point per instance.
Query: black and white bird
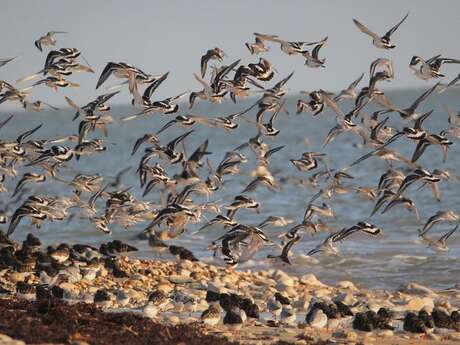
(328, 245)
(430, 68)
(382, 42)
(313, 60)
(284, 257)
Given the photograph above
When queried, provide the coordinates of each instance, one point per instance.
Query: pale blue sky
(160, 36)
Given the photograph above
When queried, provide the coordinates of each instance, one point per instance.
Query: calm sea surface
(386, 261)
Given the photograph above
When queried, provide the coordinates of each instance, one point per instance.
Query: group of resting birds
(176, 190)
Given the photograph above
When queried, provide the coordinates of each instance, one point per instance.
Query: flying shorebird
(258, 46)
(430, 68)
(48, 39)
(286, 249)
(212, 54)
(287, 47)
(312, 60)
(441, 244)
(382, 42)
(439, 217)
(349, 92)
(453, 83)
(327, 246)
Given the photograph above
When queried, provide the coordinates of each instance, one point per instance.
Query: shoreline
(123, 286)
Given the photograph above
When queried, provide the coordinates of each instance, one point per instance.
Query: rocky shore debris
(270, 306)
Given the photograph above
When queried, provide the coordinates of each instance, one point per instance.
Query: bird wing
(172, 144)
(394, 28)
(4, 122)
(423, 96)
(355, 83)
(365, 30)
(154, 85)
(106, 72)
(3, 62)
(421, 118)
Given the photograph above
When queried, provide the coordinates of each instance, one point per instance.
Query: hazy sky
(160, 36)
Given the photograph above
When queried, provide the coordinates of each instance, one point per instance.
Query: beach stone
(6, 340)
(321, 293)
(202, 304)
(418, 303)
(432, 336)
(88, 274)
(368, 339)
(302, 303)
(346, 298)
(455, 336)
(173, 319)
(92, 289)
(345, 284)
(373, 306)
(185, 273)
(415, 289)
(69, 287)
(386, 333)
(287, 280)
(441, 331)
(87, 298)
(179, 279)
(165, 288)
(333, 323)
(310, 279)
(16, 277)
(340, 334)
(137, 276)
(290, 291)
(186, 265)
(212, 269)
(102, 272)
(352, 336)
(135, 295)
(229, 280)
(164, 280)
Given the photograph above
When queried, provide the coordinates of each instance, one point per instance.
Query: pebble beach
(280, 308)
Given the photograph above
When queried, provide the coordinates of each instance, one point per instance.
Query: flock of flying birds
(106, 203)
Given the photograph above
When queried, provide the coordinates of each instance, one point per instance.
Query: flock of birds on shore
(42, 159)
